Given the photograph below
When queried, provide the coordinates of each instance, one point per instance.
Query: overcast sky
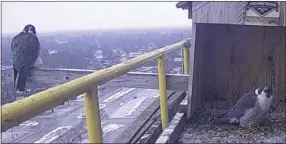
(58, 16)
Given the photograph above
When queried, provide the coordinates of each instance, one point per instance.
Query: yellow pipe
(186, 60)
(163, 92)
(92, 114)
(19, 111)
(186, 54)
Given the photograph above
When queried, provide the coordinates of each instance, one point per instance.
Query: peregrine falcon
(25, 50)
(250, 109)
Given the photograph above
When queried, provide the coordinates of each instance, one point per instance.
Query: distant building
(98, 54)
(178, 59)
(146, 69)
(122, 59)
(61, 42)
(177, 70)
(135, 54)
(40, 61)
(52, 51)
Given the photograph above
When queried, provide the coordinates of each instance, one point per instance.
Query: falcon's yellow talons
(262, 128)
(252, 128)
(256, 128)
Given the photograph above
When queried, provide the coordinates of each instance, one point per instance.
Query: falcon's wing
(26, 50)
(33, 45)
(244, 103)
(14, 44)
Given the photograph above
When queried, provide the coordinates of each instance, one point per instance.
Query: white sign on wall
(262, 13)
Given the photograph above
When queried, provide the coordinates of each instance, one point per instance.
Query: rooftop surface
(201, 129)
(118, 107)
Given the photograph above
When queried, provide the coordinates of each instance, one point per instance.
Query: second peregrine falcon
(250, 109)
(25, 50)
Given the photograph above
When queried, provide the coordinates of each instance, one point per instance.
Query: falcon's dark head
(30, 29)
(265, 90)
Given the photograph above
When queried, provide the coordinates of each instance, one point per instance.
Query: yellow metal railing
(186, 55)
(186, 60)
(163, 92)
(19, 111)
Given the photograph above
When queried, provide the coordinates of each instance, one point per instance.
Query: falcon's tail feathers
(226, 118)
(21, 82)
(223, 118)
(15, 79)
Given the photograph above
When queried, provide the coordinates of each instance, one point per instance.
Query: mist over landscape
(95, 50)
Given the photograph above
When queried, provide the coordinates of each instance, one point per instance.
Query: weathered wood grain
(283, 13)
(218, 12)
(237, 59)
(131, 79)
(215, 12)
(197, 4)
(194, 95)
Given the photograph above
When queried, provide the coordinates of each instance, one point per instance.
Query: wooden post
(193, 98)
(163, 92)
(93, 116)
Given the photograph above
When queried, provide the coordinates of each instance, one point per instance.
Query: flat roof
(183, 4)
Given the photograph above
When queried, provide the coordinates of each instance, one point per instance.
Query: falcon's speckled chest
(256, 114)
(264, 102)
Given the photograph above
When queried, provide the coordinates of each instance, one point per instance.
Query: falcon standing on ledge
(25, 50)
(250, 109)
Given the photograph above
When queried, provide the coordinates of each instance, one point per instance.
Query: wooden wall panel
(226, 12)
(236, 59)
(219, 12)
(194, 78)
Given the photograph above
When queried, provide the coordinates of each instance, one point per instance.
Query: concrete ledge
(183, 105)
(153, 132)
(172, 132)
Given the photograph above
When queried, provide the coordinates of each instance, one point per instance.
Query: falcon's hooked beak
(265, 90)
(32, 30)
(268, 91)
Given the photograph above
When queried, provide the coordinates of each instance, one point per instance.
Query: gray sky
(58, 16)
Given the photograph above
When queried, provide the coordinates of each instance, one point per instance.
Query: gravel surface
(201, 129)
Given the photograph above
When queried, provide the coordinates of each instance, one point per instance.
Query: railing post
(92, 115)
(163, 92)
(186, 54)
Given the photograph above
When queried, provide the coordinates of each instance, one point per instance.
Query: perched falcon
(250, 109)
(25, 50)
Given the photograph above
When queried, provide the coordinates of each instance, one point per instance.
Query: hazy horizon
(95, 30)
(80, 16)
